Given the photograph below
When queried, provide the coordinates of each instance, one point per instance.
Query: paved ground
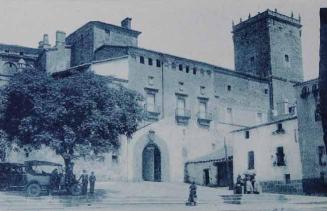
(157, 197)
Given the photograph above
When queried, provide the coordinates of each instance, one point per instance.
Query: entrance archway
(151, 163)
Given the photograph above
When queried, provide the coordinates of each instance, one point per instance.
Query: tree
(80, 115)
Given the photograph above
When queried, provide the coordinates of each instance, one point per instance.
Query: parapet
(268, 14)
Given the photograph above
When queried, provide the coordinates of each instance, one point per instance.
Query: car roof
(11, 164)
(41, 163)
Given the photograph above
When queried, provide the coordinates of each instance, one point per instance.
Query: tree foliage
(76, 116)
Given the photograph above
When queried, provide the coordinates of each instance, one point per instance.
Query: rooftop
(269, 14)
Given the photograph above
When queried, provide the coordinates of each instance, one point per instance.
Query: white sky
(196, 29)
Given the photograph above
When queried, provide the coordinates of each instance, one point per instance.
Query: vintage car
(34, 177)
(12, 176)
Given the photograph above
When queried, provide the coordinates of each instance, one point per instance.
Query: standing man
(84, 178)
(92, 180)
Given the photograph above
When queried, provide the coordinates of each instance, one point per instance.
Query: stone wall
(293, 187)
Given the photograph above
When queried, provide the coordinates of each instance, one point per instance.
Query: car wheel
(33, 190)
(76, 190)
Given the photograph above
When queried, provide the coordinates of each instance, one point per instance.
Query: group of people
(247, 185)
(57, 180)
(85, 180)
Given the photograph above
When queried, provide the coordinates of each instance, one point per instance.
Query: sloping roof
(218, 155)
(18, 49)
(215, 68)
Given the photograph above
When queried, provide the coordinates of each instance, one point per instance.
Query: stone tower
(268, 45)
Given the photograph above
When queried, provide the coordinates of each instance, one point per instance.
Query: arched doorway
(151, 163)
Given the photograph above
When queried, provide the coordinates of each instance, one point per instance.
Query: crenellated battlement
(268, 14)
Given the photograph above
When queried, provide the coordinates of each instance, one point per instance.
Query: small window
(229, 88)
(286, 58)
(21, 53)
(187, 69)
(247, 134)
(173, 65)
(141, 59)
(252, 60)
(150, 80)
(250, 160)
(321, 153)
(150, 61)
(280, 156)
(7, 51)
(287, 178)
(202, 90)
(266, 91)
(317, 113)
(114, 158)
(180, 67)
(194, 71)
(280, 126)
(181, 86)
(158, 63)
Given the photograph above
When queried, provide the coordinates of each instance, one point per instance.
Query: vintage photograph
(163, 105)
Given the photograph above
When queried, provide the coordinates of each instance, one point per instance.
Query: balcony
(204, 119)
(152, 113)
(182, 116)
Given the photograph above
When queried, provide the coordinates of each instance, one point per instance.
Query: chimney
(126, 23)
(45, 42)
(60, 38)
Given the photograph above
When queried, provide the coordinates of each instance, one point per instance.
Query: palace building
(192, 106)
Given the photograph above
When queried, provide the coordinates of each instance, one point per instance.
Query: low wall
(294, 187)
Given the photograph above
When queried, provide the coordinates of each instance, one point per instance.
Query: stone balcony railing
(152, 112)
(182, 116)
(204, 119)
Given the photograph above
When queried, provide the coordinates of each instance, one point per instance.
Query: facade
(272, 152)
(191, 106)
(313, 151)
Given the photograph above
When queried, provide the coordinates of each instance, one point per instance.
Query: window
(173, 65)
(321, 153)
(7, 51)
(180, 67)
(250, 160)
(229, 114)
(286, 58)
(202, 90)
(150, 80)
(202, 109)
(187, 69)
(280, 128)
(247, 134)
(280, 156)
(252, 60)
(287, 178)
(21, 53)
(194, 71)
(305, 92)
(259, 118)
(180, 106)
(114, 158)
(141, 59)
(158, 63)
(291, 110)
(317, 113)
(181, 86)
(150, 102)
(229, 88)
(107, 36)
(266, 91)
(150, 61)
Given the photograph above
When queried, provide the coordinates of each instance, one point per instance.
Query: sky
(195, 29)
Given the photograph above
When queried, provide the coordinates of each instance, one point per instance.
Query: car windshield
(43, 169)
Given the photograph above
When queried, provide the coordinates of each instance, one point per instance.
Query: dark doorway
(206, 177)
(151, 163)
(223, 179)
